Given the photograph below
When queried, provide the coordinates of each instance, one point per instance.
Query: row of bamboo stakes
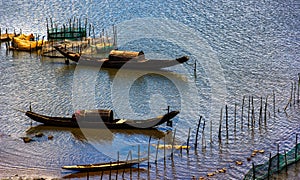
(250, 119)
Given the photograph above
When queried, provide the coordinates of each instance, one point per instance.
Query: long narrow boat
(100, 119)
(105, 166)
(120, 59)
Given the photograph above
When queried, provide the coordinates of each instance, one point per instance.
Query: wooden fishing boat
(105, 166)
(120, 59)
(73, 56)
(100, 119)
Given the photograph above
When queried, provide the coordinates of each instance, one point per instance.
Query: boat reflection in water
(99, 135)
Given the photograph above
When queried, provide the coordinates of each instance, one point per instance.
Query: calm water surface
(241, 49)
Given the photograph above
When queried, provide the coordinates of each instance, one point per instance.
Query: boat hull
(131, 64)
(82, 122)
(104, 166)
(114, 62)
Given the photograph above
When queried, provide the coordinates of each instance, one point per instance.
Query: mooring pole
(139, 157)
(149, 152)
(235, 117)
(118, 159)
(210, 130)
(269, 167)
(110, 165)
(157, 147)
(274, 103)
(298, 100)
(253, 167)
(291, 98)
(164, 150)
(260, 112)
(295, 88)
(296, 149)
(226, 108)
(285, 160)
(253, 114)
(197, 132)
(278, 159)
(266, 104)
(172, 154)
(249, 112)
(195, 67)
(220, 126)
(169, 122)
(188, 140)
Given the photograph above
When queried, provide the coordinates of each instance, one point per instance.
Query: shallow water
(241, 49)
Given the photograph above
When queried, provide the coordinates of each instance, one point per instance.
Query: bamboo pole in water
(295, 88)
(274, 103)
(296, 149)
(127, 158)
(164, 150)
(188, 140)
(249, 104)
(285, 160)
(226, 121)
(266, 106)
(130, 166)
(278, 159)
(203, 128)
(235, 116)
(253, 114)
(138, 161)
(220, 126)
(210, 130)
(298, 100)
(149, 152)
(197, 132)
(203, 137)
(156, 152)
(291, 98)
(260, 112)
(110, 164)
(90, 25)
(253, 168)
(269, 167)
(118, 159)
(173, 144)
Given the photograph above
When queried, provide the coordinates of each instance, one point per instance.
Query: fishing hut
(71, 31)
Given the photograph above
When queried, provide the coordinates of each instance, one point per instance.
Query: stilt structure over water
(72, 30)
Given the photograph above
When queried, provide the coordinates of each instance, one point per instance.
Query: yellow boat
(6, 37)
(26, 43)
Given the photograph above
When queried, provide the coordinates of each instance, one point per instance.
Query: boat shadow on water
(86, 134)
